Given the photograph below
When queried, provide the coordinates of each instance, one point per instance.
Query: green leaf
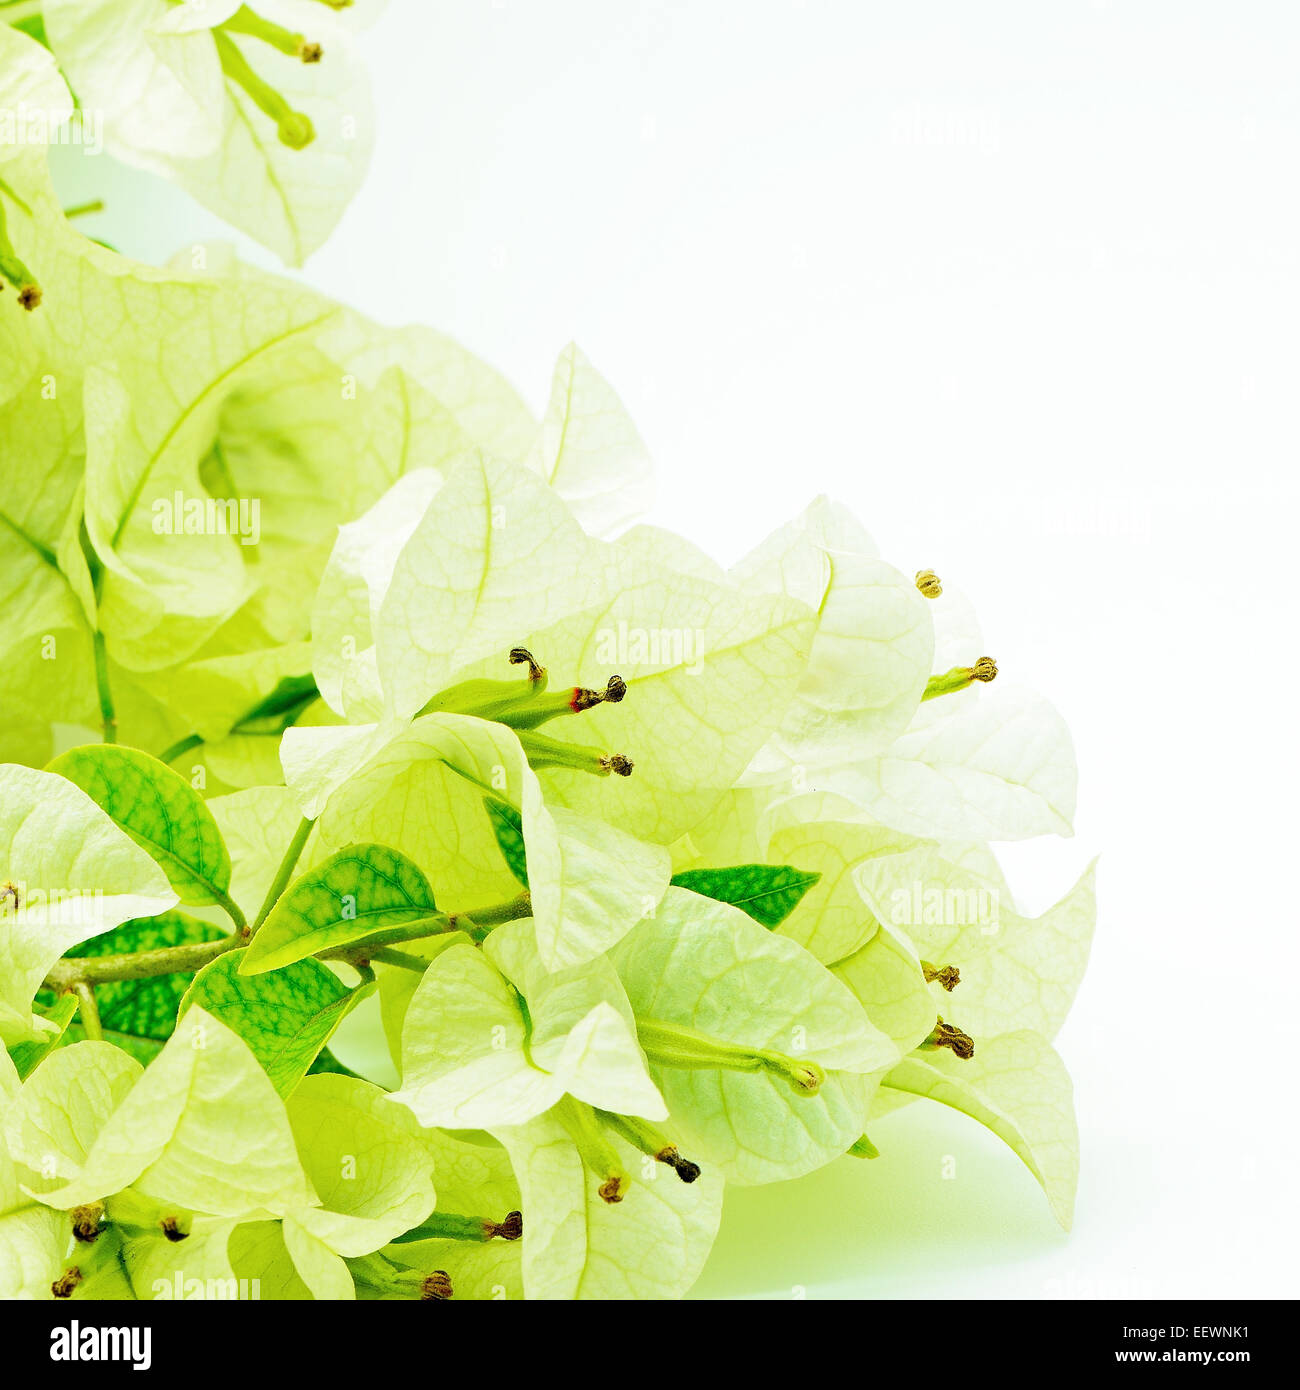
(286, 1017)
(327, 1064)
(769, 893)
(161, 812)
(355, 893)
(508, 827)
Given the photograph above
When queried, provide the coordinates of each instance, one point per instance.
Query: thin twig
(284, 872)
(89, 1011)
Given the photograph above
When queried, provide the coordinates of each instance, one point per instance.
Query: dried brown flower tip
(946, 975)
(88, 1222)
(521, 655)
(950, 1036)
(171, 1228)
(511, 1228)
(683, 1167)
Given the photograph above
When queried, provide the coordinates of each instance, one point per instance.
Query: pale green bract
(397, 838)
(589, 882)
(651, 1245)
(154, 75)
(498, 1041)
(710, 967)
(76, 875)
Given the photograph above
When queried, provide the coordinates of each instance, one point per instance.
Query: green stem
(84, 209)
(597, 1153)
(436, 924)
(284, 872)
(394, 1281)
(451, 1225)
(232, 910)
(106, 710)
(246, 21)
(293, 128)
(651, 1142)
(138, 965)
(386, 956)
(673, 1045)
(170, 960)
(287, 708)
(985, 670)
(179, 748)
(89, 1011)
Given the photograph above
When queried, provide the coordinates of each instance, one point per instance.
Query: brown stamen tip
(29, 297)
(9, 891)
(616, 762)
(985, 669)
(88, 1222)
(509, 1229)
(928, 583)
(171, 1228)
(310, 52)
(946, 975)
(613, 1189)
(948, 1035)
(581, 698)
(436, 1287)
(683, 1167)
(521, 655)
(66, 1282)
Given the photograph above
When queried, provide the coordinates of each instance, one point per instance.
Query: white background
(1017, 282)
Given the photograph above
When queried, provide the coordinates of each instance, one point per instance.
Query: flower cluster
(641, 877)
